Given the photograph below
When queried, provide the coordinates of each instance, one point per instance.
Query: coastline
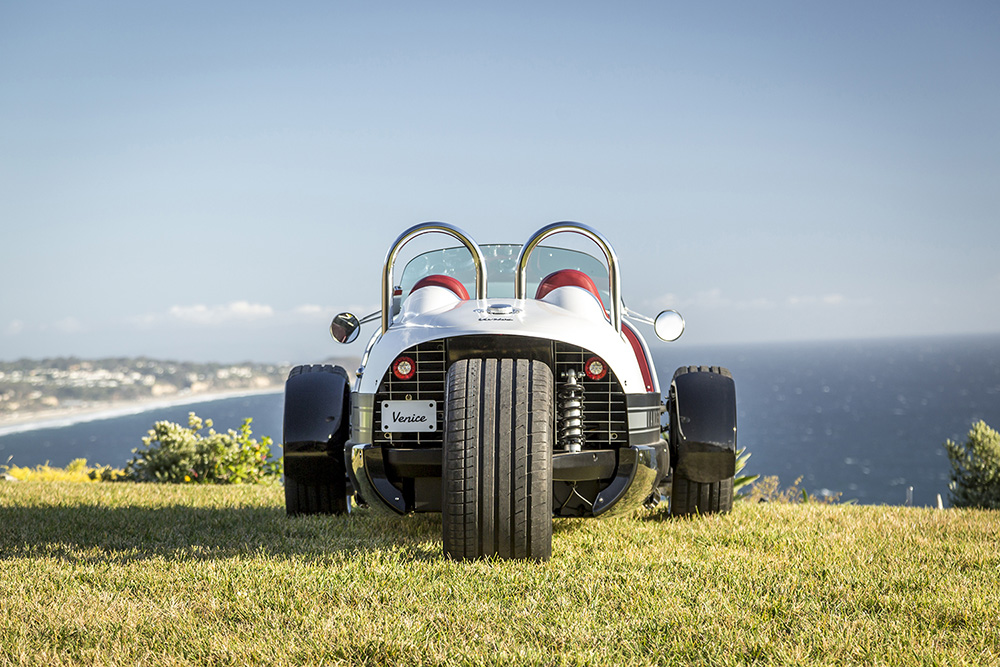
(58, 417)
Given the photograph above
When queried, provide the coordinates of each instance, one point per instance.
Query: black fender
(702, 406)
(316, 423)
(317, 407)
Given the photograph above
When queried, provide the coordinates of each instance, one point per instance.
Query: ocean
(865, 419)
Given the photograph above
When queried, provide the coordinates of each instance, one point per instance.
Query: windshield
(501, 264)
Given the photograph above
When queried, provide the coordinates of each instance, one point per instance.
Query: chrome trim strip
(362, 414)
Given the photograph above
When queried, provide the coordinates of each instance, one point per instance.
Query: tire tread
(497, 460)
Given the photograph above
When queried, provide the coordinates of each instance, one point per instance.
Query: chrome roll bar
(418, 230)
(520, 278)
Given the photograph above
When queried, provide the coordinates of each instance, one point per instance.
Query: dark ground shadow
(178, 532)
(95, 532)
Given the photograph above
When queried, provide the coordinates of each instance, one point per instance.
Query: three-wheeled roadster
(506, 385)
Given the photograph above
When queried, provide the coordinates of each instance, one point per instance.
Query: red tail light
(404, 368)
(595, 368)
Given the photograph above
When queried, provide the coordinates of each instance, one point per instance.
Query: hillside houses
(30, 385)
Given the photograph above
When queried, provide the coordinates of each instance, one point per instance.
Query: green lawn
(132, 574)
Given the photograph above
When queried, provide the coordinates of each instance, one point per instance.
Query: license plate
(409, 416)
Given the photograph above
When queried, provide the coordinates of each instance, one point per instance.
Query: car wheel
(690, 497)
(316, 474)
(687, 497)
(316, 497)
(497, 477)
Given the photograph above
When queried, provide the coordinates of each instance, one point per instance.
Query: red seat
(567, 278)
(448, 282)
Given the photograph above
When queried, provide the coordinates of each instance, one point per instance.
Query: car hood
(502, 317)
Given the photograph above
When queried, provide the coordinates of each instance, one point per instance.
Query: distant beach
(20, 422)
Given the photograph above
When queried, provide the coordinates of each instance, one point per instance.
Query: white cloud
(713, 298)
(145, 321)
(15, 327)
(825, 300)
(235, 311)
(68, 325)
(716, 299)
(309, 310)
(759, 302)
(230, 313)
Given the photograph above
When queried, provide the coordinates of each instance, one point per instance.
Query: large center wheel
(497, 477)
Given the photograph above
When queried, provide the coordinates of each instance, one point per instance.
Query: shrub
(768, 490)
(76, 471)
(742, 480)
(179, 455)
(106, 474)
(975, 468)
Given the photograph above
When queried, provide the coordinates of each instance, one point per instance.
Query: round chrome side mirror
(345, 328)
(668, 325)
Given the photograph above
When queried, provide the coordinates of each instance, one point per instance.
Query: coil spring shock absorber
(570, 401)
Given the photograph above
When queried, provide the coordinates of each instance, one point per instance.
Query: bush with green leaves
(768, 490)
(741, 481)
(975, 468)
(76, 470)
(173, 453)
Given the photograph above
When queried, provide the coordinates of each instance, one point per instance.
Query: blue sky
(216, 180)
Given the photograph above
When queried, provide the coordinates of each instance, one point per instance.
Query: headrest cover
(567, 278)
(448, 282)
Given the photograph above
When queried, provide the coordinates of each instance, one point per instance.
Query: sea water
(867, 420)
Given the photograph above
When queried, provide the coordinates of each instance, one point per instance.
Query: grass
(172, 575)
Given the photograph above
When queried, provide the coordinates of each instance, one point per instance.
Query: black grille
(426, 385)
(605, 411)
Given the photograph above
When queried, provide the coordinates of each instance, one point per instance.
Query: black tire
(689, 497)
(316, 497)
(316, 483)
(497, 477)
